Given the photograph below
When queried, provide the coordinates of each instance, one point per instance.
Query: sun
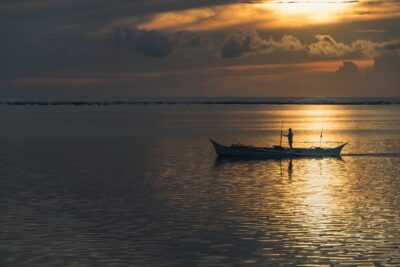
(309, 11)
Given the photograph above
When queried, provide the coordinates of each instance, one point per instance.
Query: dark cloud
(346, 81)
(347, 70)
(348, 78)
(392, 45)
(240, 45)
(186, 39)
(387, 66)
(153, 43)
(382, 79)
(251, 43)
(148, 43)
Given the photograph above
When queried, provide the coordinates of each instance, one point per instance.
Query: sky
(102, 49)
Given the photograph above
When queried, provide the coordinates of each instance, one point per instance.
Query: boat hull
(274, 153)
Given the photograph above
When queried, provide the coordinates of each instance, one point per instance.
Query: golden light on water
(317, 196)
(312, 118)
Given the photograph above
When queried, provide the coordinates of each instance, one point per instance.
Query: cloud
(329, 47)
(366, 48)
(380, 79)
(251, 43)
(287, 43)
(187, 39)
(242, 44)
(393, 45)
(383, 77)
(153, 43)
(371, 31)
(266, 14)
(387, 65)
(148, 43)
(370, 49)
(348, 71)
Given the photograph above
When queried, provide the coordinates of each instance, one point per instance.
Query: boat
(275, 152)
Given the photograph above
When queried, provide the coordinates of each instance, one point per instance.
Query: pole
(322, 129)
(320, 137)
(280, 143)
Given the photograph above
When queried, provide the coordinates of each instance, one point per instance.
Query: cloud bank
(329, 47)
(251, 43)
(248, 43)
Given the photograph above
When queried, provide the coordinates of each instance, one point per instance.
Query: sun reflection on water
(308, 123)
(316, 196)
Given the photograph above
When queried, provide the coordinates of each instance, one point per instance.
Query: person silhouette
(290, 137)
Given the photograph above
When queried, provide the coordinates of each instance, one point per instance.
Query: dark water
(140, 186)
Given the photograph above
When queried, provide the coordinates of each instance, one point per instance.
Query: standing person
(290, 137)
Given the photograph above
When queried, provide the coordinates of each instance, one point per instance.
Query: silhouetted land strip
(395, 101)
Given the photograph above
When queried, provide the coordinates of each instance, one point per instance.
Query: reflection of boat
(238, 150)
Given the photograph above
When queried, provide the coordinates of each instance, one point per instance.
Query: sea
(139, 184)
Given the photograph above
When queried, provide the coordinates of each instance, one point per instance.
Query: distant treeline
(272, 102)
(116, 103)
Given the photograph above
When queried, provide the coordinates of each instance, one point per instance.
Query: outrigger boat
(275, 152)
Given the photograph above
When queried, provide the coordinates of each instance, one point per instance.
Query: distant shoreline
(395, 101)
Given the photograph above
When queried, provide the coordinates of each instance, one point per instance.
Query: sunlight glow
(267, 14)
(312, 11)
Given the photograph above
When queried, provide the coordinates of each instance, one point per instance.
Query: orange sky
(199, 48)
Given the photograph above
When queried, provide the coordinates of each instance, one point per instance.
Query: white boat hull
(275, 152)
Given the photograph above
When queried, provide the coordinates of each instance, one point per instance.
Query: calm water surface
(141, 186)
